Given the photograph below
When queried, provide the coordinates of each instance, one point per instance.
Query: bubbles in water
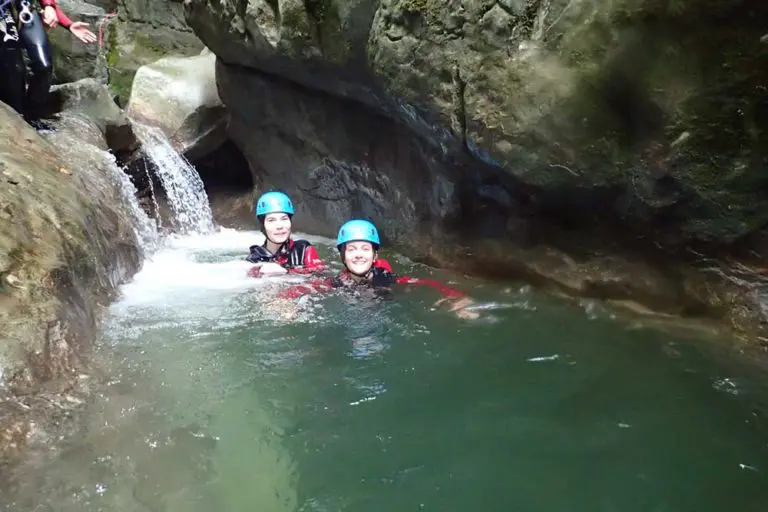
(728, 385)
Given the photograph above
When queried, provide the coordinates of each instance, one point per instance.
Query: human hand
(458, 307)
(285, 310)
(81, 31)
(50, 19)
(271, 269)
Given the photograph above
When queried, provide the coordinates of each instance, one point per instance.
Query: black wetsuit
(22, 28)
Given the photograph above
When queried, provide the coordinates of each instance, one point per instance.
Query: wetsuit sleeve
(315, 286)
(64, 21)
(445, 291)
(312, 262)
(384, 265)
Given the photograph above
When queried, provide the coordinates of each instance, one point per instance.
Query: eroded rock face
(90, 99)
(65, 245)
(568, 96)
(179, 96)
(539, 139)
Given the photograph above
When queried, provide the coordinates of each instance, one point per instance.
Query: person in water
(358, 244)
(280, 254)
(21, 28)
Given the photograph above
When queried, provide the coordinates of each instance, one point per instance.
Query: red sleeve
(312, 262)
(315, 286)
(445, 291)
(64, 21)
(383, 265)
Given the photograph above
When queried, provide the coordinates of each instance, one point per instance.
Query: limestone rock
(65, 245)
(179, 95)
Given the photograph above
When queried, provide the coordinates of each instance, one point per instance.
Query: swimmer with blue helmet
(358, 243)
(279, 253)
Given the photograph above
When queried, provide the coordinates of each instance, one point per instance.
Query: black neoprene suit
(31, 37)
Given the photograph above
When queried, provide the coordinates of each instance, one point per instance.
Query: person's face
(359, 257)
(277, 227)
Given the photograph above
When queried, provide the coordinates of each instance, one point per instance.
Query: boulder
(179, 96)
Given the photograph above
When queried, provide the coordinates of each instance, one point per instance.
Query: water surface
(214, 404)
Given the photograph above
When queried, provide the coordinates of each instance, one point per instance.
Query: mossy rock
(131, 46)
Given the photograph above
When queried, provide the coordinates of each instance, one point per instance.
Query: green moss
(137, 49)
(113, 54)
(120, 80)
(431, 10)
(120, 83)
(326, 15)
(148, 44)
(295, 20)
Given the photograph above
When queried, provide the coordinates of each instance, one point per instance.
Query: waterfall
(181, 182)
(86, 155)
(143, 227)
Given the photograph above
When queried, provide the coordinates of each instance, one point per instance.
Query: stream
(212, 402)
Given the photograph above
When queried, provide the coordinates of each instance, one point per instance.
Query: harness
(290, 255)
(8, 27)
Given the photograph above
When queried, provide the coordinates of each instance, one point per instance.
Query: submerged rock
(65, 245)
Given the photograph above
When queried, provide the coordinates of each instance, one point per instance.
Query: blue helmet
(274, 202)
(358, 230)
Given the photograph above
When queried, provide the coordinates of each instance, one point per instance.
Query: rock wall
(596, 145)
(611, 99)
(145, 32)
(133, 33)
(65, 245)
(72, 59)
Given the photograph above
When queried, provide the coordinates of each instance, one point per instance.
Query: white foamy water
(88, 156)
(183, 270)
(144, 228)
(181, 182)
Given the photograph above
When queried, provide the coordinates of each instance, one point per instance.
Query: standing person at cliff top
(358, 244)
(280, 254)
(22, 28)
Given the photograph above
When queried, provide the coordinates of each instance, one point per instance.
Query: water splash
(143, 227)
(181, 182)
(88, 155)
(155, 206)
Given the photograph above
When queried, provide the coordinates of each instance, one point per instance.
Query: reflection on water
(213, 403)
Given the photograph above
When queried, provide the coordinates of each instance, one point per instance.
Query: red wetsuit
(296, 256)
(381, 276)
(64, 21)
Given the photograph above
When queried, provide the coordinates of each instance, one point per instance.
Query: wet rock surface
(179, 96)
(65, 246)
